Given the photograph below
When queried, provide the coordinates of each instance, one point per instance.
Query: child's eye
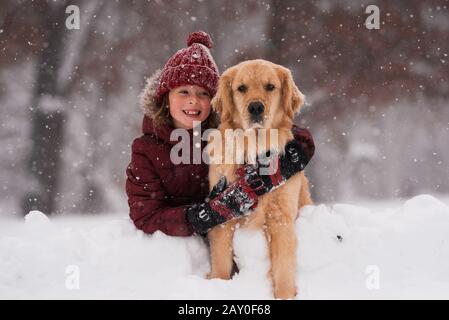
(184, 92)
(205, 93)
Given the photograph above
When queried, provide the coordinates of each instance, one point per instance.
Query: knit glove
(275, 170)
(240, 198)
(224, 204)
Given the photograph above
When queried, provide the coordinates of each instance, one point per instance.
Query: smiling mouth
(192, 112)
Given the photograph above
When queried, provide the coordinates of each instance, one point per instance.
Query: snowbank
(345, 252)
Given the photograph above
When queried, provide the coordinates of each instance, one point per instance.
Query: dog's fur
(276, 211)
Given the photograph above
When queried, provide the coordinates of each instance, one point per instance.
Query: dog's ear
(292, 99)
(223, 102)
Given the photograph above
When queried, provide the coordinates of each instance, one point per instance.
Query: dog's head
(257, 94)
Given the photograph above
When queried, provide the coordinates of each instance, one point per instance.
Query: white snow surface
(384, 253)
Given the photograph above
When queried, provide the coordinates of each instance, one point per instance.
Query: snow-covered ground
(345, 252)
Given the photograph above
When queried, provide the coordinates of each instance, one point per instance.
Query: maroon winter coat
(159, 191)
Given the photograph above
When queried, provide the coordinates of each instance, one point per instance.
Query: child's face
(188, 104)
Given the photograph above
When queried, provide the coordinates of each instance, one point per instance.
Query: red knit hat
(190, 66)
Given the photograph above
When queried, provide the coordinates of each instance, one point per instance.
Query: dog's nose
(256, 108)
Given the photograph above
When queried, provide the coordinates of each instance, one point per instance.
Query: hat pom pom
(199, 37)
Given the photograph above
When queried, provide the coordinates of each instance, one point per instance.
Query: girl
(175, 199)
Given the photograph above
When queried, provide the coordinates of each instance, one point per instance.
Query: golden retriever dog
(272, 88)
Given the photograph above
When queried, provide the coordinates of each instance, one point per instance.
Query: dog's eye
(269, 87)
(242, 88)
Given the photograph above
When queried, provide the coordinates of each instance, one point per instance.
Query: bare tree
(48, 114)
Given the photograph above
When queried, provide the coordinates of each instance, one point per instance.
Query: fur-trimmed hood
(147, 97)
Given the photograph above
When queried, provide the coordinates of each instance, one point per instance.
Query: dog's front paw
(285, 293)
(218, 275)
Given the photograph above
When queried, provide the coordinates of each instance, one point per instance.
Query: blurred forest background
(377, 100)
